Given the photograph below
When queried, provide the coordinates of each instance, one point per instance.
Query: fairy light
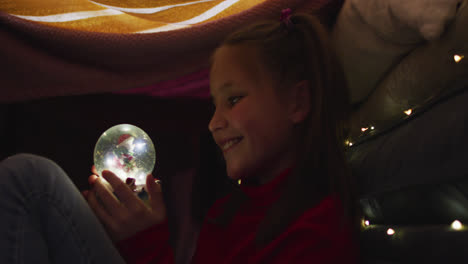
(348, 143)
(372, 128)
(364, 129)
(364, 223)
(390, 232)
(408, 112)
(457, 225)
(457, 58)
(239, 181)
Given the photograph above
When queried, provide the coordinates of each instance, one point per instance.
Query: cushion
(371, 36)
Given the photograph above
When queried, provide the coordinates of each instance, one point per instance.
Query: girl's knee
(31, 161)
(30, 168)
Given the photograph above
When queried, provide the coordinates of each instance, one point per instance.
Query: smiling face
(251, 124)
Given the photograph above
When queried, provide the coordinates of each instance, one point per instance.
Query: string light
(457, 58)
(372, 127)
(239, 181)
(390, 232)
(408, 112)
(364, 223)
(364, 129)
(348, 143)
(457, 225)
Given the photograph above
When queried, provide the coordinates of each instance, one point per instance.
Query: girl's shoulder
(322, 232)
(324, 221)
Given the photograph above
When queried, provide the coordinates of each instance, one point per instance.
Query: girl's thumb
(154, 191)
(152, 185)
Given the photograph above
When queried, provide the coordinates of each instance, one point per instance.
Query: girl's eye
(234, 99)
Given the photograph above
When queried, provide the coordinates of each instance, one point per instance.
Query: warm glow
(457, 225)
(458, 58)
(239, 181)
(140, 146)
(198, 19)
(151, 10)
(350, 144)
(72, 16)
(367, 223)
(141, 177)
(364, 129)
(408, 112)
(372, 127)
(390, 232)
(109, 161)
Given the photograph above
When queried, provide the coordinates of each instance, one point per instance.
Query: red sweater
(315, 237)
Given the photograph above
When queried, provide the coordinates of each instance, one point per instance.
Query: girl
(281, 105)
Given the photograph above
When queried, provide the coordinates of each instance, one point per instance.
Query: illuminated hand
(122, 213)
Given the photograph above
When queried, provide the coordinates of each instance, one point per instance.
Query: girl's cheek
(237, 114)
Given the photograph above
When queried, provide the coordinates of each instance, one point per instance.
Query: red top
(315, 237)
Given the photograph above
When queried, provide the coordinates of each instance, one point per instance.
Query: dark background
(65, 129)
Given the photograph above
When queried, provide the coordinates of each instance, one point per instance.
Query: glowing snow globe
(128, 152)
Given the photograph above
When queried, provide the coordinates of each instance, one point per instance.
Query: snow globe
(128, 152)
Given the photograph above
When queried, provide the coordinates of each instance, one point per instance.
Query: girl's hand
(127, 215)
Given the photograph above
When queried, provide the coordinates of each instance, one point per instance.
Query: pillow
(371, 36)
(428, 17)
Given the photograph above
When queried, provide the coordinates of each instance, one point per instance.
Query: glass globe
(128, 152)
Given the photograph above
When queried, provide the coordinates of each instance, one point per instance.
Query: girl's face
(251, 123)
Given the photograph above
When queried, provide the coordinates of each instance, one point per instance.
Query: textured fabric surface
(429, 148)
(413, 179)
(414, 244)
(117, 16)
(415, 80)
(39, 60)
(373, 37)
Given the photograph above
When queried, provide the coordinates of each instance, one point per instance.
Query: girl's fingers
(121, 189)
(93, 170)
(109, 201)
(100, 212)
(155, 195)
(151, 185)
(92, 179)
(85, 194)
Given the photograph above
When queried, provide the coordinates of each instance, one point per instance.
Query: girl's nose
(217, 122)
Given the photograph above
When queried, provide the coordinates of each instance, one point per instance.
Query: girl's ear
(299, 106)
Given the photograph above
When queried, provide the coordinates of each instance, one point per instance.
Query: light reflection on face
(250, 124)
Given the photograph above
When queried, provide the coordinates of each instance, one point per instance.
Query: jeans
(45, 219)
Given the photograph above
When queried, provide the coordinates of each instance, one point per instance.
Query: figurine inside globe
(128, 152)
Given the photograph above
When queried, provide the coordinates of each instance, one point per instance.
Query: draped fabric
(58, 48)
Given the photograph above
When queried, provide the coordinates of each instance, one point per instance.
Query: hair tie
(285, 18)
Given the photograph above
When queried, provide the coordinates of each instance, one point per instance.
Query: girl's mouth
(230, 144)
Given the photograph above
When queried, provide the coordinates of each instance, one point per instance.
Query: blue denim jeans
(45, 219)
